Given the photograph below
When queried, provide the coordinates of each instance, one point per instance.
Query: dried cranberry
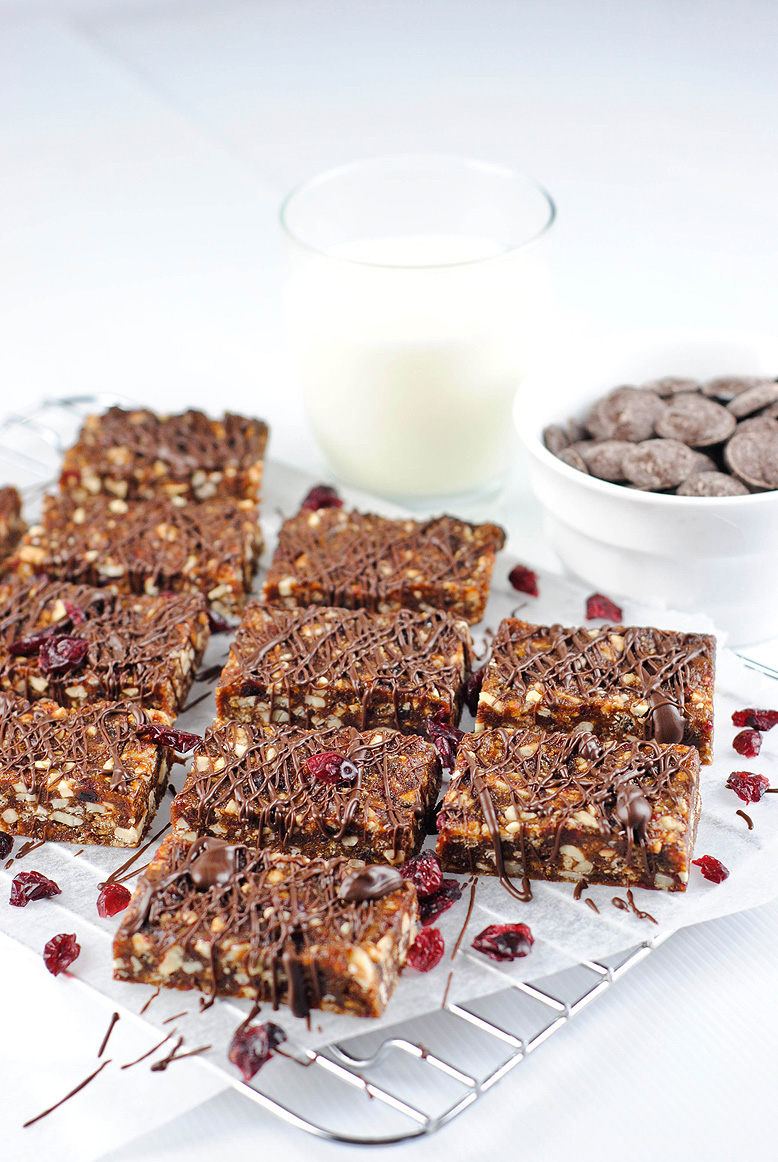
(180, 740)
(252, 1046)
(6, 843)
(524, 580)
(444, 737)
(217, 623)
(757, 719)
(59, 655)
(749, 788)
(322, 496)
(113, 898)
(75, 613)
(60, 952)
(27, 646)
(504, 941)
(712, 868)
(473, 689)
(330, 767)
(430, 907)
(748, 743)
(424, 872)
(32, 885)
(427, 950)
(599, 606)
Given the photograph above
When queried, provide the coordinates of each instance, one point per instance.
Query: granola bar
(83, 776)
(322, 667)
(76, 644)
(362, 561)
(11, 524)
(230, 920)
(332, 792)
(620, 681)
(571, 807)
(147, 546)
(132, 454)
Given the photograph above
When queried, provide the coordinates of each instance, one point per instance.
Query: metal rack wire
(393, 1084)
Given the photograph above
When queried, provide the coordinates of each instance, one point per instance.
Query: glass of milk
(417, 295)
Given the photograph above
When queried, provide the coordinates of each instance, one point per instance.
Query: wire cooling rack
(409, 1079)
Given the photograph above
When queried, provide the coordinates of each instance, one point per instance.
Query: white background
(144, 148)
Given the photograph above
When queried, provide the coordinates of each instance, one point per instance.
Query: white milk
(409, 351)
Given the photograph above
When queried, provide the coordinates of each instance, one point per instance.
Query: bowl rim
(532, 439)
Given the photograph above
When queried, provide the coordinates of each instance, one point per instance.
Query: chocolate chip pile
(718, 438)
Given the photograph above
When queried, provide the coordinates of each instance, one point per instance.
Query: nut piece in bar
(82, 776)
(132, 454)
(319, 667)
(331, 792)
(619, 681)
(571, 807)
(147, 546)
(361, 561)
(76, 644)
(11, 524)
(230, 920)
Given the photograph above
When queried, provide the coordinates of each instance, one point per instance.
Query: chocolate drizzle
(360, 560)
(286, 909)
(620, 786)
(278, 653)
(370, 883)
(660, 666)
(255, 782)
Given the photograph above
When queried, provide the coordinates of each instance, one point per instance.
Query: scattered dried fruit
(180, 740)
(748, 743)
(27, 646)
(252, 1046)
(75, 613)
(756, 719)
(430, 907)
(600, 606)
(427, 950)
(504, 941)
(424, 872)
(60, 655)
(473, 689)
(32, 885)
(444, 737)
(322, 496)
(712, 868)
(113, 898)
(6, 843)
(524, 580)
(749, 788)
(330, 767)
(60, 952)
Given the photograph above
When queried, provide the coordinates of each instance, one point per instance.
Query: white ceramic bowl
(718, 556)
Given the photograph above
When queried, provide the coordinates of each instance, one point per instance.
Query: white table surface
(144, 148)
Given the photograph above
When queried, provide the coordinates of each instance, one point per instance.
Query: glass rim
(492, 168)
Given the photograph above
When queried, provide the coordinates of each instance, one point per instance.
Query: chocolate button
(369, 883)
(667, 723)
(214, 865)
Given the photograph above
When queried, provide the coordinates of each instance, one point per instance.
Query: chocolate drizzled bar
(230, 920)
(132, 454)
(619, 681)
(11, 524)
(370, 800)
(82, 776)
(147, 546)
(319, 668)
(571, 807)
(362, 561)
(76, 644)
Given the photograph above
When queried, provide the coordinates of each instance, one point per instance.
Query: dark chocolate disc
(753, 400)
(711, 484)
(370, 883)
(573, 458)
(671, 385)
(753, 457)
(726, 387)
(555, 439)
(696, 421)
(605, 458)
(657, 464)
(626, 413)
